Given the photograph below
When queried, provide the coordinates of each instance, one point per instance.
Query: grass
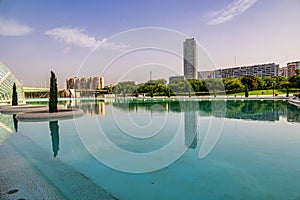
(266, 92)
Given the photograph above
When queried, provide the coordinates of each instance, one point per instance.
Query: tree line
(210, 86)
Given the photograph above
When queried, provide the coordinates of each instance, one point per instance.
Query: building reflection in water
(89, 107)
(54, 129)
(190, 129)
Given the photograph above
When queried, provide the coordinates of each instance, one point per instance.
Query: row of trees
(208, 86)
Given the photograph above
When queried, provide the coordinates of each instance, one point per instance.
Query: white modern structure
(7, 80)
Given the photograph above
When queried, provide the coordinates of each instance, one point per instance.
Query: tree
(14, 96)
(295, 81)
(195, 84)
(136, 93)
(178, 86)
(287, 91)
(297, 72)
(280, 81)
(159, 81)
(233, 85)
(267, 82)
(260, 82)
(168, 93)
(53, 94)
(151, 91)
(215, 85)
(251, 81)
(246, 91)
(126, 87)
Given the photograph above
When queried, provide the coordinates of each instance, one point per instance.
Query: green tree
(297, 72)
(53, 94)
(280, 81)
(233, 85)
(215, 85)
(151, 91)
(294, 81)
(195, 84)
(246, 91)
(136, 93)
(251, 81)
(14, 95)
(260, 83)
(178, 86)
(168, 93)
(125, 87)
(159, 81)
(268, 81)
(203, 86)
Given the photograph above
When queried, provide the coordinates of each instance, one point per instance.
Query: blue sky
(39, 36)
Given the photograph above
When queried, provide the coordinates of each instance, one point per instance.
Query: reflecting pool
(169, 149)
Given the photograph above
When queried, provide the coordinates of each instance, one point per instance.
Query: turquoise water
(179, 150)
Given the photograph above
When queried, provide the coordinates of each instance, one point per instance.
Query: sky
(112, 37)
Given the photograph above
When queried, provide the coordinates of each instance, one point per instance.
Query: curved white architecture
(7, 79)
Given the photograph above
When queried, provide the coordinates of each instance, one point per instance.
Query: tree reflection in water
(15, 122)
(54, 129)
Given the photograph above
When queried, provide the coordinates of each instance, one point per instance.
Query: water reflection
(257, 110)
(190, 130)
(89, 107)
(54, 129)
(6, 127)
(15, 122)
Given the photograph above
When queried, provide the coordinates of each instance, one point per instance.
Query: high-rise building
(292, 66)
(283, 71)
(91, 83)
(190, 59)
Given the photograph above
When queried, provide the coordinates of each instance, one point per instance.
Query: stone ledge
(44, 115)
(21, 108)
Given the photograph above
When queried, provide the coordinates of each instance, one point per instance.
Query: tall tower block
(190, 59)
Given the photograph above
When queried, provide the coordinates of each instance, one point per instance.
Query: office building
(202, 75)
(283, 71)
(292, 67)
(190, 59)
(262, 70)
(89, 83)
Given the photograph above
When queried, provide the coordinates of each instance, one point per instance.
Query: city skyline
(43, 36)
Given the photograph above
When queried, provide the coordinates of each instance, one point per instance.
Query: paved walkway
(29, 172)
